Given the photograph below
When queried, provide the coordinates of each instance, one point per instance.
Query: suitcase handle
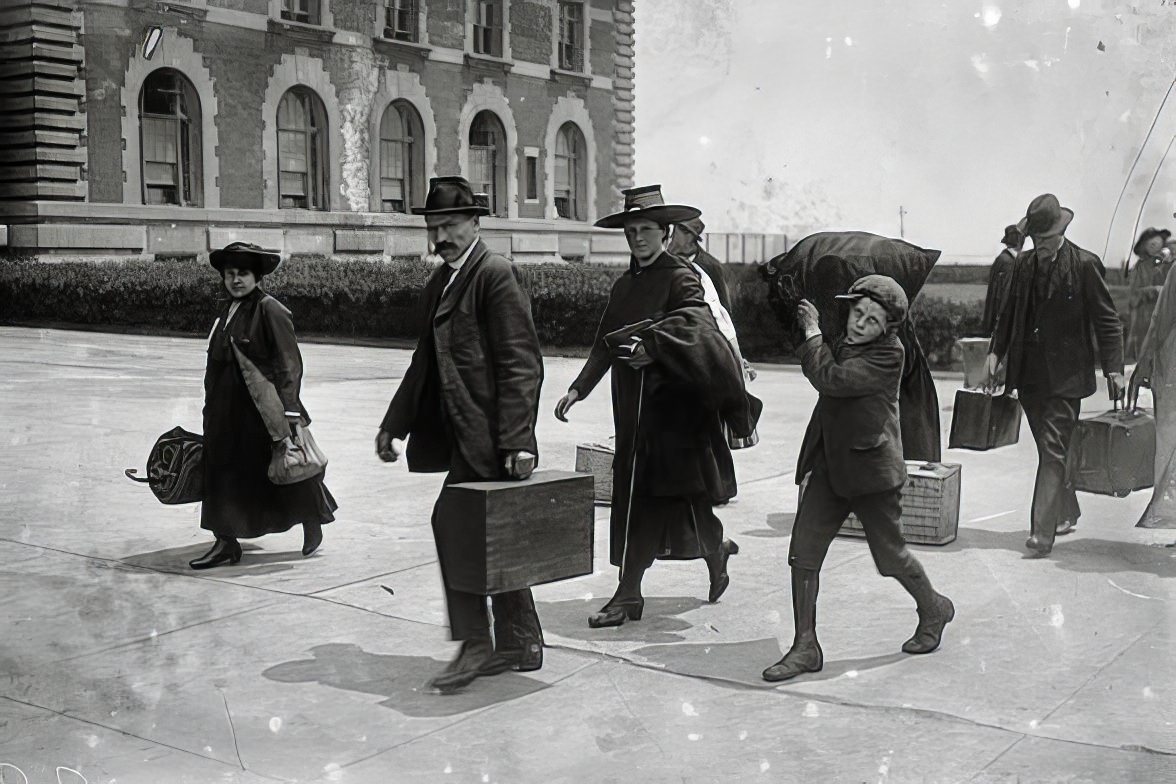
(130, 474)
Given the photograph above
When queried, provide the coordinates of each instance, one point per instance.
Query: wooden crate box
(508, 535)
(930, 505)
(597, 459)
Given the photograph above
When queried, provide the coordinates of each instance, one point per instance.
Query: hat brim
(661, 214)
(1163, 234)
(471, 210)
(1059, 226)
(261, 263)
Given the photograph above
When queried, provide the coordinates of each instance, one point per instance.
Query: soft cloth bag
(294, 459)
(175, 467)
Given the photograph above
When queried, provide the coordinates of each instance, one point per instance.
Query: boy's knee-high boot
(805, 655)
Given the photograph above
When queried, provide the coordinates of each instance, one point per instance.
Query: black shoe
(615, 613)
(1065, 527)
(801, 658)
(475, 659)
(224, 551)
(1037, 547)
(526, 658)
(930, 629)
(312, 537)
(719, 579)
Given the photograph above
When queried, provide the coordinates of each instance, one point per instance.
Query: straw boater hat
(647, 202)
(451, 195)
(246, 255)
(1045, 217)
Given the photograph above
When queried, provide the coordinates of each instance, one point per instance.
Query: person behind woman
(1156, 369)
(1147, 277)
(239, 500)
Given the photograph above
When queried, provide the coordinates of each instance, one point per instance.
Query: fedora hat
(246, 255)
(1147, 234)
(449, 195)
(1045, 217)
(695, 226)
(647, 202)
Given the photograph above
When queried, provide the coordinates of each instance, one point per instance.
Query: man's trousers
(1052, 420)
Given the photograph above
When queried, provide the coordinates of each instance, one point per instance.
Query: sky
(803, 115)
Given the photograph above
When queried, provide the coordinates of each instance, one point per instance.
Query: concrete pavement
(118, 663)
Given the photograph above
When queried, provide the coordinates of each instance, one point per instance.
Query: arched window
(302, 150)
(488, 160)
(571, 173)
(402, 158)
(169, 141)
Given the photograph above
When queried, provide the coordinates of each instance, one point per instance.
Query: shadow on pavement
(779, 525)
(569, 619)
(401, 680)
(254, 560)
(1075, 552)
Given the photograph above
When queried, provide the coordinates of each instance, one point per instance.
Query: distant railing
(744, 248)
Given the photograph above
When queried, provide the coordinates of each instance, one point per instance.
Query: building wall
(242, 54)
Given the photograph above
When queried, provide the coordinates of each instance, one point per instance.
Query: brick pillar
(42, 87)
(623, 100)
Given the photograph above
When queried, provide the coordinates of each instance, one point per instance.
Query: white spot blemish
(275, 724)
(848, 41)
(774, 616)
(1033, 64)
(588, 597)
(154, 634)
(694, 736)
(1074, 4)
(448, 768)
(333, 771)
(208, 749)
(688, 709)
(485, 778)
(980, 63)
(92, 741)
(1056, 618)
(704, 140)
(743, 735)
(983, 666)
(851, 674)
(764, 765)
(990, 15)
(1148, 693)
(811, 711)
(1034, 724)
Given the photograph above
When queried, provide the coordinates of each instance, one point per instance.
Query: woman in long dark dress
(239, 500)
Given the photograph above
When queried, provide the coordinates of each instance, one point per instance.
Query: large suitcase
(981, 421)
(508, 535)
(597, 459)
(1113, 453)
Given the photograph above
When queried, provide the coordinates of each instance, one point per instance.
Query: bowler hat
(1147, 234)
(246, 255)
(1012, 237)
(695, 226)
(1045, 217)
(883, 290)
(450, 195)
(647, 202)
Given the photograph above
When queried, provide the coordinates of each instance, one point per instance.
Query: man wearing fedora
(1000, 278)
(672, 372)
(1058, 311)
(468, 405)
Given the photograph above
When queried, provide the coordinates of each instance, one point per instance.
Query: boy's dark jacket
(855, 423)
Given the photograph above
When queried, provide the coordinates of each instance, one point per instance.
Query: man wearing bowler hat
(468, 405)
(1057, 312)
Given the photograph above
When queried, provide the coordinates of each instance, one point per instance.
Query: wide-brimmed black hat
(1045, 217)
(1148, 233)
(246, 255)
(452, 195)
(647, 202)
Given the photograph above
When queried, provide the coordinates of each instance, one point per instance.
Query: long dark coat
(479, 338)
(239, 499)
(1000, 280)
(1076, 315)
(681, 451)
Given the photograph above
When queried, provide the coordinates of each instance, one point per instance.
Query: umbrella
(823, 265)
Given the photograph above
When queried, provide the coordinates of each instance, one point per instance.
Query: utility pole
(901, 225)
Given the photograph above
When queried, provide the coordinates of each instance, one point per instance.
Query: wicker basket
(597, 459)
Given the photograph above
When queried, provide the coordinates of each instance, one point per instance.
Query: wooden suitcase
(930, 505)
(981, 421)
(508, 535)
(1113, 453)
(597, 459)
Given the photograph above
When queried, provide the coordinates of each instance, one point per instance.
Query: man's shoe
(1038, 548)
(719, 579)
(1065, 527)
(224, 551)
(930, 629)
(801, 658)
(475, 659)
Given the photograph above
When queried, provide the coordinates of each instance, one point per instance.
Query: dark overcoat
(239, 499)
(479, 337)
(1000, 280)
(855, 424)
(1076, 317)
(679, 447)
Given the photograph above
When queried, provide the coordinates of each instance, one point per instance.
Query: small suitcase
(597, 459)
(1113, 453)
(512, 534)
(930, 504)
(981, 421)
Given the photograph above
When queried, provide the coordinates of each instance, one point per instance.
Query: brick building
(169, 127)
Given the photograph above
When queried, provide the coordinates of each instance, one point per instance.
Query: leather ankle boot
(717, 566)
(312, 537)
(226, 550)
(474, 659)
(935, 612)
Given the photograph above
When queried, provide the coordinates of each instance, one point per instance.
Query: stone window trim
(326, 19)
(310, 72)
(489, 97)
(585, 33)
(570, 109)
(420, 46)
(531, 154)
(175, 51)
(471, 16)
(396, 85)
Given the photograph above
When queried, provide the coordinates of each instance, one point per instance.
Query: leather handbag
(175, 467)
(295, 458)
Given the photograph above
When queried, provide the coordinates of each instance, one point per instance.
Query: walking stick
(632, 473)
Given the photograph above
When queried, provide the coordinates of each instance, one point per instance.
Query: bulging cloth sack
(175, 467)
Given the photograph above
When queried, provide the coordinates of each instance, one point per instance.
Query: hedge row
(378, 299)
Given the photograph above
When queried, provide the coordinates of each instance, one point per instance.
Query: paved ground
(118, 663)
